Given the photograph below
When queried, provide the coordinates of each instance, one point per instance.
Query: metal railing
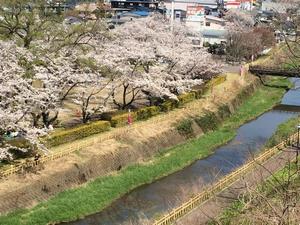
(24, 165)
(222, 183)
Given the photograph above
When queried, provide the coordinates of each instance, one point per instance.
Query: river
(152, 200)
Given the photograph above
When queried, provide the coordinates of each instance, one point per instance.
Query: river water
(152, 200)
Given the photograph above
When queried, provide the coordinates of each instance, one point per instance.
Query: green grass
(280, 81)
(95, 195)
(229, 213)
(284, 131)
(234, 213)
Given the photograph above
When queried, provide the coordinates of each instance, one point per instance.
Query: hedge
(109, 115)
(121, 120)
(168, 105)
(216, 81)
(202, 89)
(185, 98)
(147, 112)
(68, 135)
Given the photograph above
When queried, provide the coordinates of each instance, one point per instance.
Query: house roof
(141, 12)
(202, 2)
(214, 18)
(214, 33)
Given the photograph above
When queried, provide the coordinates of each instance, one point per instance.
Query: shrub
(224, 111)
(184, 127)
(109, 115)
(147, 112)
(242, 94)
(122, 119)
(20, 142)
(200, 91)
(185, 98)
(168, 105)
(68, 135)
(216, 81)
(208, 122)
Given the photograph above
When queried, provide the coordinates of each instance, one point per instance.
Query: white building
(200, 23)
(267, 6)
(213, 36)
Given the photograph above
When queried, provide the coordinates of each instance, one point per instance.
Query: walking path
(108, 152)
(215, 206)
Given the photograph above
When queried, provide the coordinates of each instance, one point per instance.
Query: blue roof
(141, 13)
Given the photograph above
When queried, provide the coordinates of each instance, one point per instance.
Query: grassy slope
(99, 193)
(235, 213)
(283, 131)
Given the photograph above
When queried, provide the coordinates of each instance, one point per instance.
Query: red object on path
(129, 119)
(78, 113)
(242, 70)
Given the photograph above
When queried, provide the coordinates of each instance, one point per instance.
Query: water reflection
(156, 198)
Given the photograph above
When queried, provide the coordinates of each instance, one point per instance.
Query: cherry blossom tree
(148, 58)
(93, 94)
(142, 58)
(31, 94)
(16, 97)
(239, 20)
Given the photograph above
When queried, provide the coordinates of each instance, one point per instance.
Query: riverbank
(271, 200)
(236, 212)
(96, 195)
(106, 153)
(234, 198)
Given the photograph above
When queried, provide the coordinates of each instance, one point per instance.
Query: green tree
(25, 20)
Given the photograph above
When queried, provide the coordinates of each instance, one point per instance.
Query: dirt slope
(111, 151)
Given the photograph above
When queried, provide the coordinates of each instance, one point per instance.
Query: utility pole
(172, 15)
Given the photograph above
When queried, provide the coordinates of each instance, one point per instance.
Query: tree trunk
(47, 121)
(35, 118)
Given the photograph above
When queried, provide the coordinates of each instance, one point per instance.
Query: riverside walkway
(209, 203)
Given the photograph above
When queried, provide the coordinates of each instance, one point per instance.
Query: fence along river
(152, 200)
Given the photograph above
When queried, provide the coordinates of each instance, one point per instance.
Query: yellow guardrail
(222, 183)
(22, 166)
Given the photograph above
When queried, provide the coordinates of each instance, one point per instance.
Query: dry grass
(119, 138)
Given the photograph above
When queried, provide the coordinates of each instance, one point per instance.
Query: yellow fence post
(220, 185)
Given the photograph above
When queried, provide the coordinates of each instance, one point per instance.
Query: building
(202, 22)
(181, 6)
(278, 7)
(209, 27)
(133, 4)
(213, 36)
(124, 17)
